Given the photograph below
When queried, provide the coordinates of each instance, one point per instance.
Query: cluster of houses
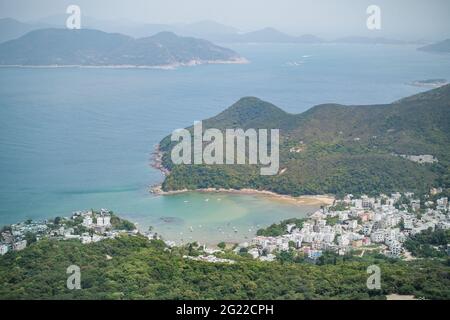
(380, 223)
(423, 158)
(210, 258)
(14, 238)
(87, 226)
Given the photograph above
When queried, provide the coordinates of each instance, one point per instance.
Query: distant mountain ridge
(209, 30)
(87, 47)
(12, 29)
(202, 29)
(334, 148)
(269, 35)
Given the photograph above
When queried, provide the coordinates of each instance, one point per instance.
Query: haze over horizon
(404, 19)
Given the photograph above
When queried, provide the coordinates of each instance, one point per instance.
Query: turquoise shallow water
(212, 217)
(75, 138)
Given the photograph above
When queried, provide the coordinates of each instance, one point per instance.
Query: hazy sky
(400, 18)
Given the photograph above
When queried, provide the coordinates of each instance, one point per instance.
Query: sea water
(80, 138)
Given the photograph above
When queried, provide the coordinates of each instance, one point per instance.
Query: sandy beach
(303, 200)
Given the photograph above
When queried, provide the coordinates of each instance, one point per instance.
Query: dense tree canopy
(134, 268)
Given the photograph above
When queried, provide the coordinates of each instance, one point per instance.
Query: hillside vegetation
(334, 148)
(135, 268)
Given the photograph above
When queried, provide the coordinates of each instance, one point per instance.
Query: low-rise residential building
(3, 249)
(19, 245)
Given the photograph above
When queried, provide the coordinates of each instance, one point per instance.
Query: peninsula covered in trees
(334, 149)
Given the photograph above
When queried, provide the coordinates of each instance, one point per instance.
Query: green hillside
(135, 268)
(335, 148)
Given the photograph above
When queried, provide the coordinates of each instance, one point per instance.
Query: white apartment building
(396, 248)
(3, 249)
(19, 245)
(104, 221)
(377, 236)
(87, 221)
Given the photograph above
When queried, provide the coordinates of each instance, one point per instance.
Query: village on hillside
(380, 223)
(86, 226)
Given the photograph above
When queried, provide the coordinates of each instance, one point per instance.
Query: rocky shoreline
(156, 161)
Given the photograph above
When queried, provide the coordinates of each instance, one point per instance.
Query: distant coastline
(429, 83)
(171, 66)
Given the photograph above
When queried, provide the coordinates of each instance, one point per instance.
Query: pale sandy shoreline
(396, 297)
(301, 200)
(172, 66)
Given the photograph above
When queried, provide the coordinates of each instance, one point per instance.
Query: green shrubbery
(139, 269)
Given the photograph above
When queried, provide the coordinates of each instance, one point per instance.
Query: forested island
(94, 48)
